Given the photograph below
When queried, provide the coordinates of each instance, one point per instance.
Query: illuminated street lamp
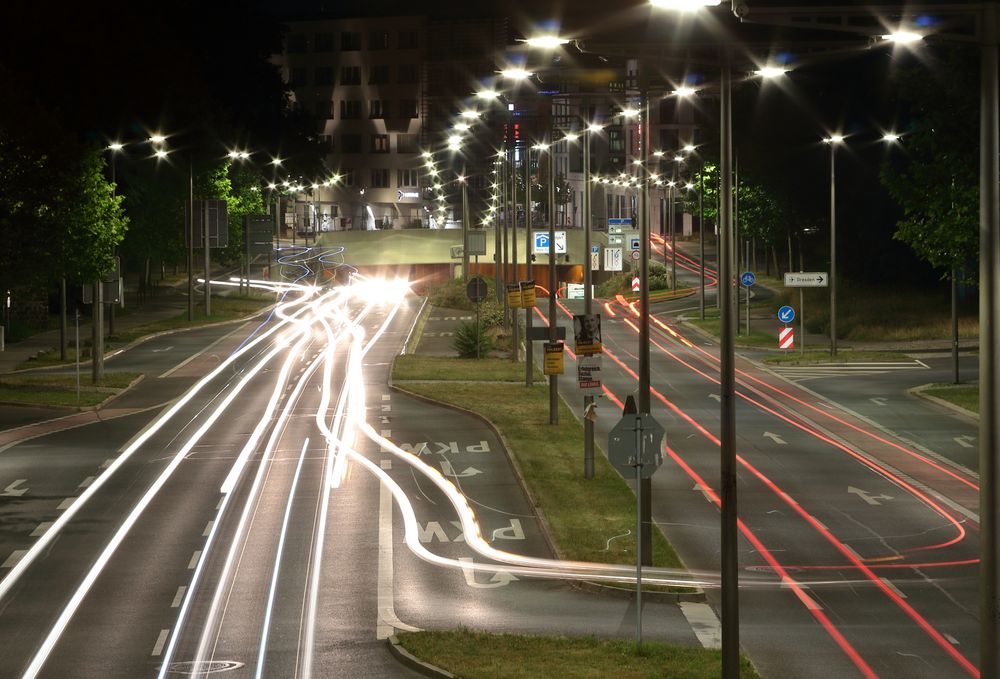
(833, 141)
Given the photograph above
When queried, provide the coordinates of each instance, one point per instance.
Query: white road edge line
(704, 623)
(386, 621)
(199, 353)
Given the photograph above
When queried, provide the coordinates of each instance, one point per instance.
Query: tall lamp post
(833, 141)
(553, 320)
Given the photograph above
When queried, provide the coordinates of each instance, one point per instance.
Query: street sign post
(636, 284)
(476, 289)
(747, 278)
(786, 314)
(806, 279)
(595, 257)
(541, 242)
(477, 242)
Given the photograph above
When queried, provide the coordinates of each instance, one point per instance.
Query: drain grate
(204, 666)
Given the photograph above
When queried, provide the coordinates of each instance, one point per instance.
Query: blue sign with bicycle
(786, 314)
(747, 278)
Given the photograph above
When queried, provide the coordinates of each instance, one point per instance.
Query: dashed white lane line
(208, 528)
(14, 558)
(194, 559)
(386, 409)
(704, 623)
(40, 529)
(65, 504)
(160, 642)
(897, 590)
(385, 397)
(107, 463)
(179, 596)
(87, 481)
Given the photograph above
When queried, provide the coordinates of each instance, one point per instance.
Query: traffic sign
(477, 242)
(807, 279)
(541, 242)
(622, 448)
(636, 284)
(747, 278)
(635, 255)
(476, 289)
(615, 240)
(634, 243)
(786, 338)
(786, 314)
(595, 258)
(612, 259)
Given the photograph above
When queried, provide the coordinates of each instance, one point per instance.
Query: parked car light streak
(40, 545)
(69, 610)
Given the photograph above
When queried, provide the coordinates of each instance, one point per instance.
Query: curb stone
(919, 393)
(406, 658)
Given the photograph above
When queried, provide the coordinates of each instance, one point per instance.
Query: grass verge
(811, 357)
(964, 396)
(478, 655)
(712, 325)
(432, 368)
(223, 309)
(583, 515)
(60, 390)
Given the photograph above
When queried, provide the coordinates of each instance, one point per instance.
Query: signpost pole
(529, 315)
(208, 263)
(553, 379)
(802, 320)
(76, 317)
(746, 258)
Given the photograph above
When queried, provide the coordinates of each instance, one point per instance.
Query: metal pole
(954, 323)
(701, 239)
(190, 239)
(730, 622)
(673, 233)
(77, 317)
(514, 349)
(833, 249)
(746, 260)
(97, 334)
(208, 264)
(802, 321)
(505, 175)
(62, 319)
(644, 390)
(553, 379)
(465, 228)
(529, 313)
(588, 304)
(638, 535)
(989, 344)
(497, 248)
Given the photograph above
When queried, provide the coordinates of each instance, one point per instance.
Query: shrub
(472, 340)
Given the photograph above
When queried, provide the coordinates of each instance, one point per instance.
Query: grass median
(590, 520)
(713, 326)
(964, 396)
(60, 390)
(478, 655)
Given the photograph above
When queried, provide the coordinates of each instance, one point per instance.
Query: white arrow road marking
(870, 499)
(501, 578)
(703, 490)
(448, 470)
(774, 437)
(12, 490)
(717, 397)
(879, 401)
(386, 622)
(160, 351)
(965, 441)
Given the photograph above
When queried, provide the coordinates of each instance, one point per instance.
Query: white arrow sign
(870, 499)
(158, 351)
(13, 491)
(449, 470)
(717, 397)
(879, 401)
(501, 578)
(774, 437)
(965, 441)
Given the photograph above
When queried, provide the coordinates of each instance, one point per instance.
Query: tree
(936, 181)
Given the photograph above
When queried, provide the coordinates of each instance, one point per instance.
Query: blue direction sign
(747, 278)
(786, 314)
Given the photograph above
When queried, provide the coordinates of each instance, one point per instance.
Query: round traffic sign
(748, 278)
(786, 314)
(635, 255)
(476, 289)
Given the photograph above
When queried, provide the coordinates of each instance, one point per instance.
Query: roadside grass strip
(60, 390)
(964, 396)
(432, 368)
(590, 520)
(479, 655)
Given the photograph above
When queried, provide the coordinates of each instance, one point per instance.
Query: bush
(472, 340)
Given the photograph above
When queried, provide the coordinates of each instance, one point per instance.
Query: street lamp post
(512, 173)
(588, 295)
(833, 141)
(553, 379)
(529, 316)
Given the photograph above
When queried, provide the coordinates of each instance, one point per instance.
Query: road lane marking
(110, 461)
(208, 528)
(87, 481)
(704, 623)
(386, 621)
(179, 596)
(160, 641)
(893, 587)
(40, 529)
(196, 355)
(14, 558)
(67, 503)
(194, 559)
(12, 490)
(385, 397)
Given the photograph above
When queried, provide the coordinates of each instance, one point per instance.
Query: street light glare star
(115, 146)
(157, 139)
(546, 42)
(834, 139)
(594, 127)
(469, 114)
(462, 127)
(903, 37)
(276, 161)
(891, 137)
(541, 147)
(684, 5)
(689, 186)
(685, 91)
(571, 137)
(689, 148)
(487, 95)
(658, 154)
(630, 112)
(771, 71)
(679, 159)
(161, 154)
(516, 73)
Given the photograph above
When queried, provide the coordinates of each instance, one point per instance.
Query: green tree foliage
(936, 178)
(94, 221)
(472, 340)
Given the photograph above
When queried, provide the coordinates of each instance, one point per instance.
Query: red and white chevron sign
(786, 338)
